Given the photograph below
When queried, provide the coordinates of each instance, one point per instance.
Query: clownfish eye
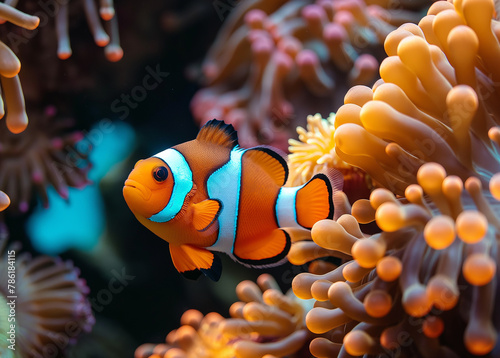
(160, 174)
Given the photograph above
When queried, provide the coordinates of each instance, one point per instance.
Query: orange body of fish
(209, 195)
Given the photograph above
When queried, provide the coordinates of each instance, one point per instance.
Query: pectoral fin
(205, 213)
(191, 261)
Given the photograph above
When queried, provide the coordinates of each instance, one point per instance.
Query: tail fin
(315, 198)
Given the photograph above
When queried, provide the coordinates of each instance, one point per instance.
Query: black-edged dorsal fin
(271, 161)
(218, 132)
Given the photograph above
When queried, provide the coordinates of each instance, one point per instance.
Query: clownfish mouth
(137, 187)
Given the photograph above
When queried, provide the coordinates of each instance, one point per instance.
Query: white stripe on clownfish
(285, 208)
(224, 184)
(183, 183)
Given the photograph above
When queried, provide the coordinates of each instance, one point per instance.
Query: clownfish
(210, 195)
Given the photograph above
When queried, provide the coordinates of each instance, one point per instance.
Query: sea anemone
(437, 100)
(425, 132)
(43, 304)
(80, 223)
(40, 156)
(111, 42)
(16, 118)
(314, 152)
(61, 12)
(429, 276)
(273, 59)
(265, 322)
